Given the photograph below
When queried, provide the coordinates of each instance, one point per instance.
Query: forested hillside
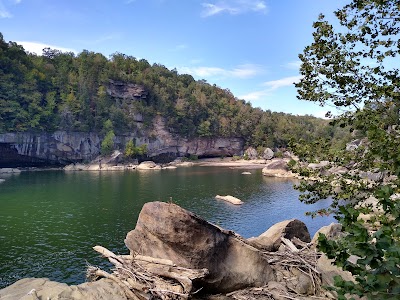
(64, 91)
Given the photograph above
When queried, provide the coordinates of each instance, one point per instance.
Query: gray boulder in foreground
(331, 231)
(165, 230)
(289, 229)
(43, 288)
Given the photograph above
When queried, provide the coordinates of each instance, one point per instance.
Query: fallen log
(144, 277)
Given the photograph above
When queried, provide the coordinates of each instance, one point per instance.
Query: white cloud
(270, 87)
(257, 95)
(211, 9)
(179, 47)
(287, 81)
(293, 65)
(196, 61)
(4, 13)
(35, 47)
(233, 7)
(246, 71)
(241, 71)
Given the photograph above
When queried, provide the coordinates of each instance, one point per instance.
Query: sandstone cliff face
(37, 149)
(60, 147)
(164, 142)
(126, 91)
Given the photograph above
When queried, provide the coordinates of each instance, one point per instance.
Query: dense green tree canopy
(65, 91)
(356, 68)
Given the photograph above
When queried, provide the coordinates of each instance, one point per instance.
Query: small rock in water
(246, 173)
(230, 199)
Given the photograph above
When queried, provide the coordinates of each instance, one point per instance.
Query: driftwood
(145, 278)
(303, 260)
(287, 261)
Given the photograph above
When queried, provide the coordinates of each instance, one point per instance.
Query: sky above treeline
(250, 47)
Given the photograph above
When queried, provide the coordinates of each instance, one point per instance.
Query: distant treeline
(64, 91)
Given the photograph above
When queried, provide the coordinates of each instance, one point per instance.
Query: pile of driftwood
(145, 278)
(294, 257)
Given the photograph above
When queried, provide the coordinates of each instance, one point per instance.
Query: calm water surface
(50, 220)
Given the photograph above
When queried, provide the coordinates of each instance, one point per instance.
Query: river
(50, 220)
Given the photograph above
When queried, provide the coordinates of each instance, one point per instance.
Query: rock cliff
(61, 148)
(126, 91)
(40, 149)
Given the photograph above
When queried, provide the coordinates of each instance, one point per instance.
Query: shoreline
(226, 162)
(229, 162)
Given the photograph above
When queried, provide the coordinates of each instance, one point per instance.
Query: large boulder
(268, 154)
(43, 288)
(320, 165)
(331, 231)
(113, 159)
(353, 145)
(289, 229)
(251, 153)
(165, 230)
(277, 168)
(329, 271)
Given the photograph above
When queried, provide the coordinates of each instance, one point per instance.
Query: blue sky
(250, 47)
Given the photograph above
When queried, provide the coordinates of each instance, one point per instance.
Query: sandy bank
(229, 162)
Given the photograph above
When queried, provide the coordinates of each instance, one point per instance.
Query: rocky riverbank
(175, 254)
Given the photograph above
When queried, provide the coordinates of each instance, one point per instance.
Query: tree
(107, 145)
(354, 68)
(130, 149)
(204, 129)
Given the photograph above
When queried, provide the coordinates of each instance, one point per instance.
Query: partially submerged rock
(169, 168)
(168, 231)
(185, 164)
(277, 168)
(99, 167)
(246, 173)
(230, 199)
(9, 171)
(289, 229)
(148, 165)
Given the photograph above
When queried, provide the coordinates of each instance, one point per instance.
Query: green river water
(50, 220)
